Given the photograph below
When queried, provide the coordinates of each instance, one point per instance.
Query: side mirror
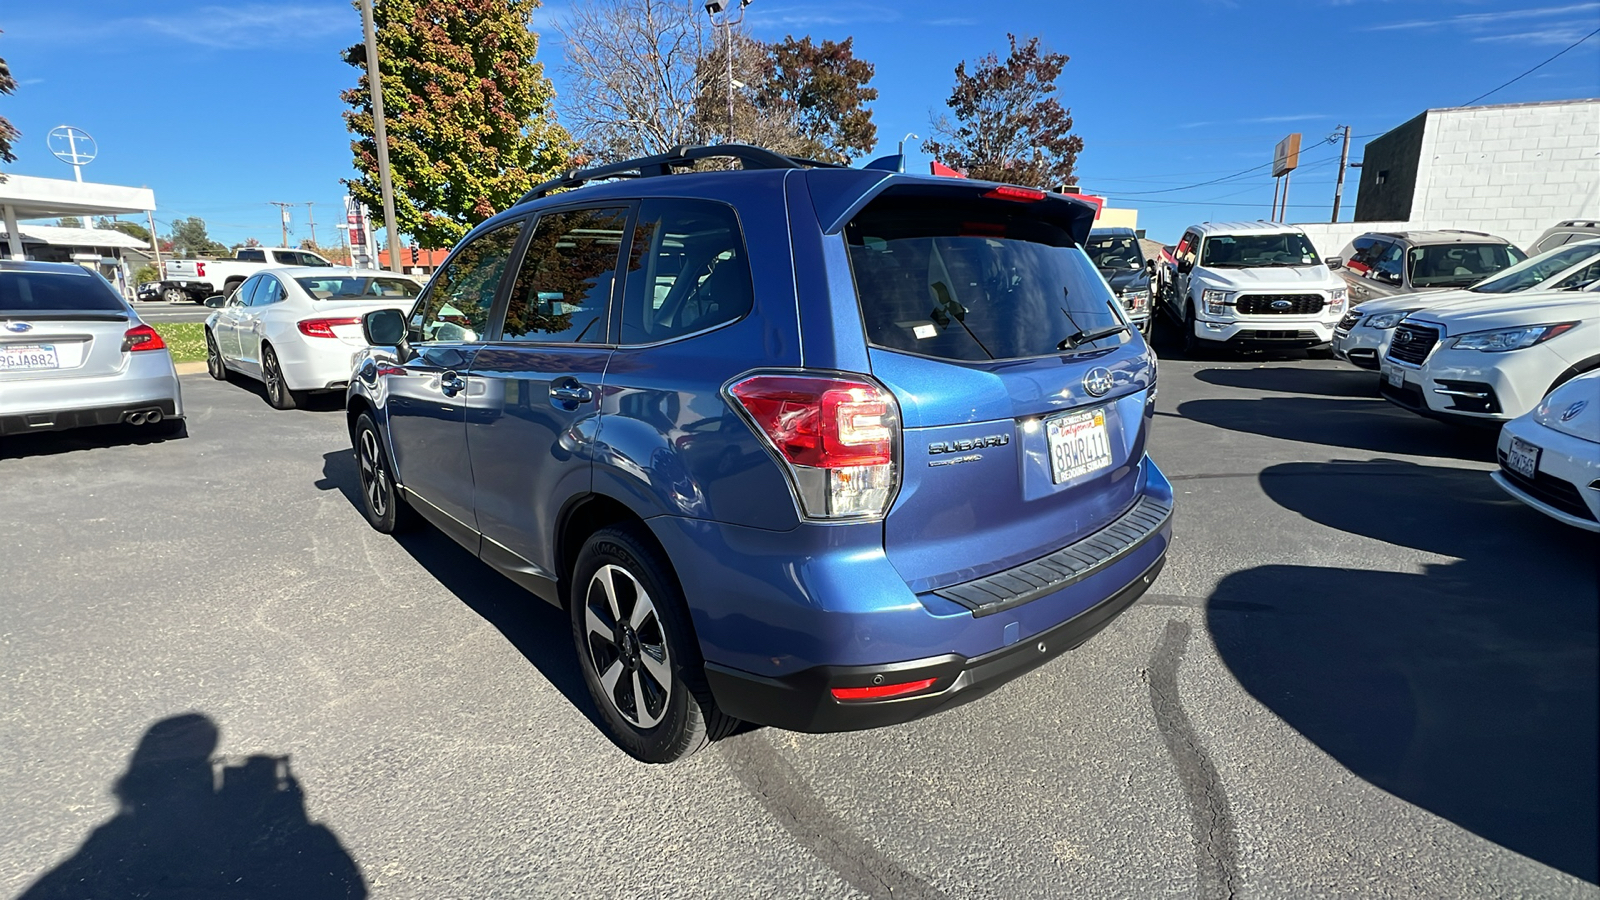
(384, 328)
(216, 301)
(1334, 262)
(1150, 267)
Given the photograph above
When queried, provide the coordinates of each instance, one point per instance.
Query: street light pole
(721, 6)
(379, 133)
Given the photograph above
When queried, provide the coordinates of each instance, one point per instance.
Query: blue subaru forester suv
(812, 447)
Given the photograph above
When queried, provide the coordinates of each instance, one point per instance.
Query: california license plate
(28, 356)
(1522, 458)
(1078, 444)
(1394, 375)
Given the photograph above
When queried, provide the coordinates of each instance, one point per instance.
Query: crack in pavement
(1215, 845)
(773, 781)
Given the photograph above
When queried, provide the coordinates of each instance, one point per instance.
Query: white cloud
(1547, 36)
(249, 26)
(1484, 20)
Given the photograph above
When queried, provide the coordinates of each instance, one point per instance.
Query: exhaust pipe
(136, 418)
(152, 417)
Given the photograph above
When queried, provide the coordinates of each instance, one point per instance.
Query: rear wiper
(1079, 338)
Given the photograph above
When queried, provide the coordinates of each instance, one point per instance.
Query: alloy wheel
(375, 483)
(213, 358)
(269, 370)
(627, 646)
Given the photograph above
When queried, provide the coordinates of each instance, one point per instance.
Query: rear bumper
(148, 381)
(804, 701)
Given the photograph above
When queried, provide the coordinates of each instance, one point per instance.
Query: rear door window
(251, 255)
(970, 281)
(563, 287)
(687, 271)
(456, 304)
(49, 291)
(269, 291)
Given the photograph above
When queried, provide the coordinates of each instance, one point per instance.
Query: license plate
(1523, 458)
(29, 356)
(1395, 376)
(1078, 444)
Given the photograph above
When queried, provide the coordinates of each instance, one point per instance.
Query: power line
(1189, 187)
(1535, 68)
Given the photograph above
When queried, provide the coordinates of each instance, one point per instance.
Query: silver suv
(1386, 264)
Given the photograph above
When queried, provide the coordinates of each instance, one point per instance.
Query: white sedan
(296, 329)
(1550, 458)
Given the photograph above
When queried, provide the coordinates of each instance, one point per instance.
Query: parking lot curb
(190, 368)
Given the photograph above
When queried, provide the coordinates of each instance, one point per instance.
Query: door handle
(451, 384)
(570, 392)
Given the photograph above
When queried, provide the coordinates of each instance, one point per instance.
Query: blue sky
(221, 109)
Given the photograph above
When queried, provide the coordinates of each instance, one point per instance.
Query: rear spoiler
(839, 194)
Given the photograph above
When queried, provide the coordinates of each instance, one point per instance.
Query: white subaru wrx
(1550, 458)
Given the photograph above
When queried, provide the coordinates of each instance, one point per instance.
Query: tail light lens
(838, 437)
(323, 328)
(142, 337)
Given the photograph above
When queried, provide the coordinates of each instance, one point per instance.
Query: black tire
(174, 294)
(650, 721)
(386, 510)
(1193, 347)
(214, 365)
(278, 394)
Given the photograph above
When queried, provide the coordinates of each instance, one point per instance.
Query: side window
(1360, 256)
(563, 289)
(252, 255)
(1580, 279)
(457, 303)
(1390, 263)
(241, 294)
(1187, 249)
(687, 271)
(268, 291)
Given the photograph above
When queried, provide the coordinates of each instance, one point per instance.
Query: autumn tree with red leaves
(1008, 126)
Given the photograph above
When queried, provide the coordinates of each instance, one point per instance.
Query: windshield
(974, 281)
(1114, 253)
(1458, 265)
(359, 288)
(56, 292)
(1251, 251)
(1531, 272)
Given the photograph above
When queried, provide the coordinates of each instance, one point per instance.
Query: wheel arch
(1573, 371)
(584, 516)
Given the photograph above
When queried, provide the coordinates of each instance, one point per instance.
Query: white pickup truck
(197, 279)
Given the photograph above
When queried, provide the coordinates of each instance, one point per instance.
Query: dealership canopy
(29, 197)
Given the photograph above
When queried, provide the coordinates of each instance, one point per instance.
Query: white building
(29, 197)
(1511, 170)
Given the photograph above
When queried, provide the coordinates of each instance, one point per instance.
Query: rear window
(973, 281)
(52, 292)
(1458, 265)
(354, 288)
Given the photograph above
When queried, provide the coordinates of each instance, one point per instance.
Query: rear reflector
(142, 337)
(1011, 192)
(882, 691)
(323, 328)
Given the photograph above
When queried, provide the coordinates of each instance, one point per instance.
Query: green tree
(189, 238)
(8, 134)
(821, 89)
(70, 222)
(469, 113)
(1008, 124)
(131, 229)
(145, 273)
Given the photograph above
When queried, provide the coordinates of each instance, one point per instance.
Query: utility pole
(1344, 163)
(311, 218)
(155, 240)
(380, 134)
(283, 216)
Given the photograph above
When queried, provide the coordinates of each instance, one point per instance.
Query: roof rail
(679, 157)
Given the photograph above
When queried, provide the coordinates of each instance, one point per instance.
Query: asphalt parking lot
(1364, 672)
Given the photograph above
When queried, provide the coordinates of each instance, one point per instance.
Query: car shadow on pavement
(539, 631)
(317, 401)
(96, 437)
(1373, 425)
(1322, 382)
(189, 824)
(1469, 690)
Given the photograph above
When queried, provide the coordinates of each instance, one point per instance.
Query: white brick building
(1512, 170)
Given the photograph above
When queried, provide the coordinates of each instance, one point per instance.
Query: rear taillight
(837, 436)
(323, 328)
(142, 337)
(1012, 192)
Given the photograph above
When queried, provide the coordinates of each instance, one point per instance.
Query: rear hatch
(60, 324)
(1022, 395)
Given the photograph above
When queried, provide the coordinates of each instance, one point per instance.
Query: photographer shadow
(1469, 690)
(191, 826)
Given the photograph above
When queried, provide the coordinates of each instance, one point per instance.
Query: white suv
(1253, 284)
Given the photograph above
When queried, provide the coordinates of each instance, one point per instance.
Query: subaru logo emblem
(1402, 337)
(1281, 304)
(18, 327)
(1098, 381)
(1573, 410)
